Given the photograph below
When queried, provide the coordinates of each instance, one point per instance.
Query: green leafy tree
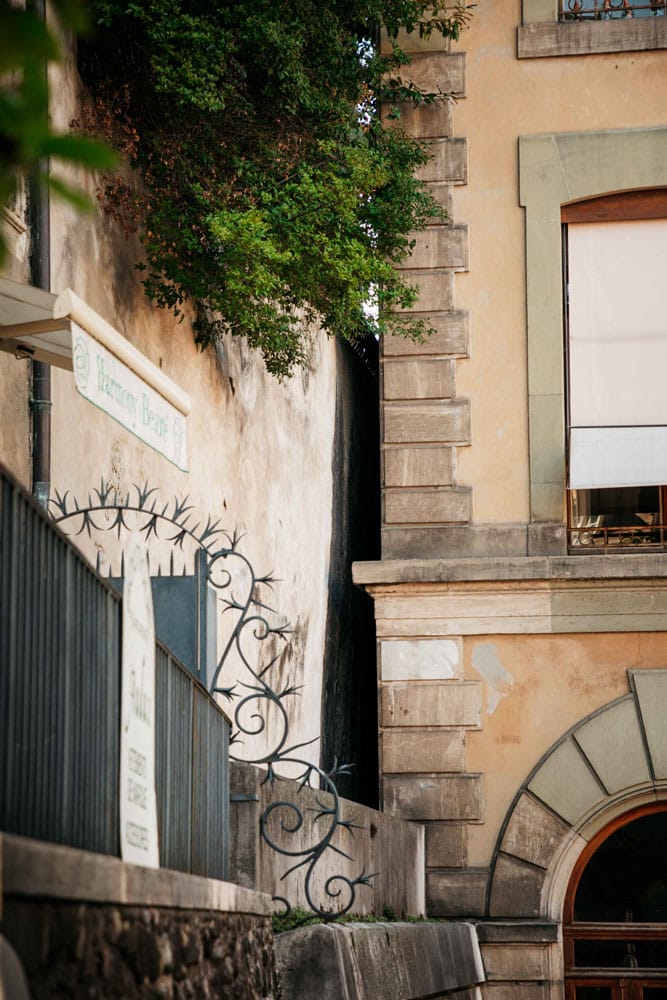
(27, 142)
(273, 192)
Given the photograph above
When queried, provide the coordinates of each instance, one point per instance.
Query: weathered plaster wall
(549, 684)
(260, 453)
(15, 376)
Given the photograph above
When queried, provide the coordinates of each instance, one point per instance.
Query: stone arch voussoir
(610, 762)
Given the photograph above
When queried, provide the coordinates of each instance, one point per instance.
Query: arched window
(615, 919)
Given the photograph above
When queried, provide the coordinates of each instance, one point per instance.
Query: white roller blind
(604, 457)
(618, 353)
(618, 323)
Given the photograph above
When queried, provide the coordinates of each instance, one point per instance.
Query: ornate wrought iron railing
(594, 534)
(60, 712)
(251, 643)
(604, 10)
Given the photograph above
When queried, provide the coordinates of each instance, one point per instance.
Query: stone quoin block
(418, 466)
(446, 844)
(413, 704)
(455, 894)
(436, 292)
(438, 72)
(421, 659)
(425, 378)
(419, 750)
(456, 797)
(516, 961)
(439, 246)
(427, 422)
(420, 121)
(448, 161)
(517, 991)
(450, 335)
(442, 506)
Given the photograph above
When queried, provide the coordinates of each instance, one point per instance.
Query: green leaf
(80, 149)
(273, 193)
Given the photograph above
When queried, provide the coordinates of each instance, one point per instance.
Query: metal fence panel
(174, 762)
(60, 667)
(210, 842)
(60, 661)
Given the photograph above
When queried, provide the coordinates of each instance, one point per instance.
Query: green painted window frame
(554, 170)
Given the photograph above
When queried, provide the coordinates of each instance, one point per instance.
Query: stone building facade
(521, 609)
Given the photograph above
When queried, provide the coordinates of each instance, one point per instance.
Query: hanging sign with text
(138, 803)
(113, 387)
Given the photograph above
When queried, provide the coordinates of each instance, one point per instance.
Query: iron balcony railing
(60, 632)
(593, 533)
(604, 10)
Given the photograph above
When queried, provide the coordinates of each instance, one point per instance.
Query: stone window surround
(541, 34)
(555, 169)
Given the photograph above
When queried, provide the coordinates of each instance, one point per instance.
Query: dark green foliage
(26, 140)
(272, 193)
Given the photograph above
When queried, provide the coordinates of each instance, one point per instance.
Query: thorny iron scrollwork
(141, 510)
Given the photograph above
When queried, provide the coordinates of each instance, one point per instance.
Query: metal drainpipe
(40, 275)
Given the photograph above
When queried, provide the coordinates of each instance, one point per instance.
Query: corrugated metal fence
(60, 632)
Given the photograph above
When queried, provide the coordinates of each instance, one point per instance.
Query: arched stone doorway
(615, 913)
(603, 775)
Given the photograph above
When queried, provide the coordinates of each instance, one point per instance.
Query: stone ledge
(518, 932)
(591, 37)
(369, 961)
(453, 542)
(37, 869)
(611, 567)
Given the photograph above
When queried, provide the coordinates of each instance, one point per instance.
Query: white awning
(64, 331)
(606, 457)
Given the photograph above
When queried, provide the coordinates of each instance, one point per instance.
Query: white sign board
(138, 803)
(110, 385)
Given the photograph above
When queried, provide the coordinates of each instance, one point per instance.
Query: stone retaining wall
(380, 962)
(72, 950)
(88, 925)
(388, 847)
